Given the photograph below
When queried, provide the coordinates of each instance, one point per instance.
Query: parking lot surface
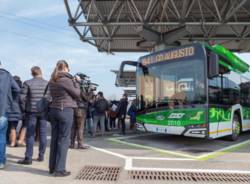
(141, 158)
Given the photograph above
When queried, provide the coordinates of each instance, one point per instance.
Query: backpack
(101, 106)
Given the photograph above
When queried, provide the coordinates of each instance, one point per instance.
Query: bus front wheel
(236, 128)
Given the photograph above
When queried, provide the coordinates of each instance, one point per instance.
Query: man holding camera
(79, 117)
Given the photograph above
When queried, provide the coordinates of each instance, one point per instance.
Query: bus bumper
(172, 130)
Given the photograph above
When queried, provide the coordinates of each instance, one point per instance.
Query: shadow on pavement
(12, 166)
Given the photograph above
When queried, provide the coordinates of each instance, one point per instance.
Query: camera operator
(80, 116)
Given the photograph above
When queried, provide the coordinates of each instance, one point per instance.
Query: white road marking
(129, 164)
(162, 158)
(109, 152)
(129, 161)
(191, 170)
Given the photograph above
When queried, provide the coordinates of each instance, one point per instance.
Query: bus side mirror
(144, 69)
(213, 65)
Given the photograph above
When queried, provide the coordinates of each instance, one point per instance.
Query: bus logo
(176, 115)
(197, 116)
(160, 117)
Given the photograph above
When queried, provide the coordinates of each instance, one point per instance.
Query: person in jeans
(80, 114)
(15, 114)
(89, 116)
(64, 92)
(31, 93)
(7, 87)
(100, 108)
(132, 113)
(122, 112)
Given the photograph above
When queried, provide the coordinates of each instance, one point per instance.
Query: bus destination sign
(168, 55)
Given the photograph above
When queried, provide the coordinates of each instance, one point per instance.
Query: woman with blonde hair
(64, 92)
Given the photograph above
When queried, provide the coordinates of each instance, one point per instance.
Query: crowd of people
(71, 109)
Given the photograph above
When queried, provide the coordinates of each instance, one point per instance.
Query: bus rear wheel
(236, 128)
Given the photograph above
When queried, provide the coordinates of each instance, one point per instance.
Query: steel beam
(136, 10)
(164, 8)
(217, 10)
(149, 34)
(189, 8)
(151, 6)
(174, 35)
(159, 23)
(114, 8)
(234, 10)
(184, 8)
(176, 9)
(183, 38)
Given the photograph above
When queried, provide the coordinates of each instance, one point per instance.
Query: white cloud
(54, 10)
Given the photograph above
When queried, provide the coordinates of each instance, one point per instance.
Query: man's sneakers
(2, 166)
(25, 162)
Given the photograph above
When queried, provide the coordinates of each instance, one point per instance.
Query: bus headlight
(197, 126)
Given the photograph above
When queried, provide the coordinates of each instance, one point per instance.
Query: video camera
(85, 82)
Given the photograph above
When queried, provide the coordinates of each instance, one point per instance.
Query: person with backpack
(8, 86)
(32, 92)
(100, 108)
(14, 115)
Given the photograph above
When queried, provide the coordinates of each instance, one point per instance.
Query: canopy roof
(140, 25)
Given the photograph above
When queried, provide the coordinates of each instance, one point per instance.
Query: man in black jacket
(101, 107)
(7, 86)
(122, 112)
(31, 93)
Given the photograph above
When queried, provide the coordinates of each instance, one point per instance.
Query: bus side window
(245, 91)
(214, 90)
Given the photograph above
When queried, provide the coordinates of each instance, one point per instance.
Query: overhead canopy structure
(130, 92)
(128, 79)
(140, 25)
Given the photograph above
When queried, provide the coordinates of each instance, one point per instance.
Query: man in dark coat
(7, 87)
(31, 93)
(122, 112)
(14, 115)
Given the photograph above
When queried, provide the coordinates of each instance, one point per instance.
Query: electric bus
(195, 90)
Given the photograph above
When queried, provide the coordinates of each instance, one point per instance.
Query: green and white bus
(195, 90)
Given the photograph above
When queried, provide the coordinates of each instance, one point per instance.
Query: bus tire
(236, 128)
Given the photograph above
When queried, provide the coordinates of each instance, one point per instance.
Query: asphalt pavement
(148, 154)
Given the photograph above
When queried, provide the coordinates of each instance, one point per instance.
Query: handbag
(43, 105)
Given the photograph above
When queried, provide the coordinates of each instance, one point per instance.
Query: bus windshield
(172, 84)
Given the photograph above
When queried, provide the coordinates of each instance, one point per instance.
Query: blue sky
(37, 33)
